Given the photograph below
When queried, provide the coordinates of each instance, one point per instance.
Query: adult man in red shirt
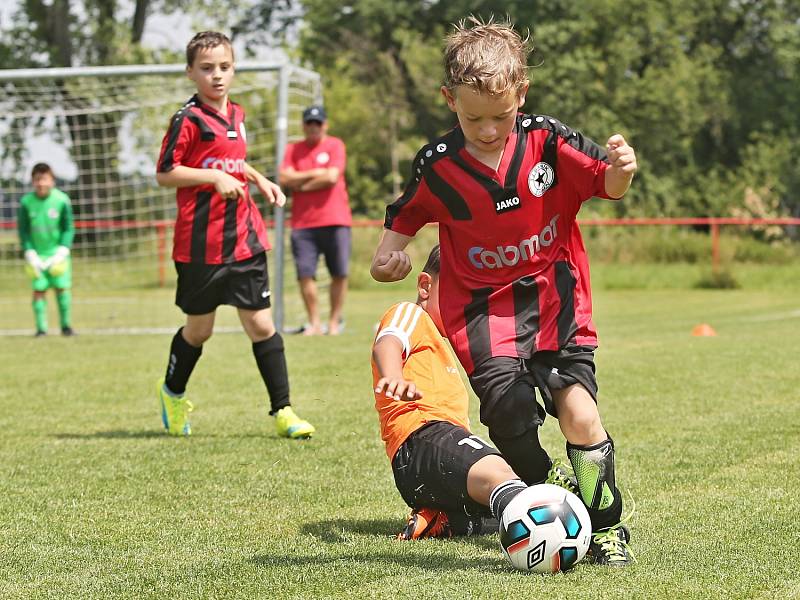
(313, 169)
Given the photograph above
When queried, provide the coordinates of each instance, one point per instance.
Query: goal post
(100, 129)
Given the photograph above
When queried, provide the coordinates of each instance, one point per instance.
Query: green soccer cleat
(561, 475)
(291, 426)
(174, 412)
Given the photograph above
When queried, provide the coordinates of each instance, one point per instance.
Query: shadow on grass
(114, 434)
(336, 531)
(123, 434)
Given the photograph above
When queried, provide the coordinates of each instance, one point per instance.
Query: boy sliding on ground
(46, 230)
(449, 477)
(220, 238)
(505, 188)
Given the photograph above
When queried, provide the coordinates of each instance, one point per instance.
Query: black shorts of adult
(332, 242)
(243, 284)
(430, 468)
(546, 371)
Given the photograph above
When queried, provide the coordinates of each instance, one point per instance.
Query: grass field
(96, 503)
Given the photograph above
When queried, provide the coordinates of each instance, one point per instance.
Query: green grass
(96, 503)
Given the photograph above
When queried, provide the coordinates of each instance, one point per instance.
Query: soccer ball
(545, 529)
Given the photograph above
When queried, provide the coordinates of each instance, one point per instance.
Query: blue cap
(314, 113)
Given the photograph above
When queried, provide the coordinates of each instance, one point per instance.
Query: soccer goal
(100, 128)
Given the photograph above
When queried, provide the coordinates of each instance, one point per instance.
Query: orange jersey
(430, 364)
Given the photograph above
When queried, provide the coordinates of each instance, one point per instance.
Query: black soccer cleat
(67, 332)
(610, 547)
(40, 333)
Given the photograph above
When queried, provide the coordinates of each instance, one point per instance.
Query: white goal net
(100, 129)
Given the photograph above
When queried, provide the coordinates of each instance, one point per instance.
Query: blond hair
(487, 56)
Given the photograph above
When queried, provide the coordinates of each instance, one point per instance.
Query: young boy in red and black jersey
(505, 188)
(220, 238)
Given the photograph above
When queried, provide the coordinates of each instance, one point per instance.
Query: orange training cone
(703, 330)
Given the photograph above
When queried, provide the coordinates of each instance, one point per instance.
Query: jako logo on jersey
(229, 165)
(508, 256)
(540, 179)
(323, 158)
(501, 206)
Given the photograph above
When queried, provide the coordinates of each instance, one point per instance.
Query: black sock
(525, 455)
(503, 494)
(271, 361)
(594, 469)
(182, 359)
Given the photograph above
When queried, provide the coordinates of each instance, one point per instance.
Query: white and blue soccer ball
(545, 529)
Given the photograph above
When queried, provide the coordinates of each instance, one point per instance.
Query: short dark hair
(432, 264)
(203, 41)
(41, 168)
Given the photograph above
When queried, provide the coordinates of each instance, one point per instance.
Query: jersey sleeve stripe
(168, 159)
(400, 335)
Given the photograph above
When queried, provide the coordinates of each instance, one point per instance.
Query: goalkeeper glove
(56, 265)
(33, 264)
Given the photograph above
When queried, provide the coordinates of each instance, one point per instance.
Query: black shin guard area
(271, 361)
(182, 359)
(513, 426)
(594, 469)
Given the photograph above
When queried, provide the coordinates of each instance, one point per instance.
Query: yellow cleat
(174, 412)
(290, 425)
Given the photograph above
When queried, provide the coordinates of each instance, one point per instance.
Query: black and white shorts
(430, 468)
(243, 284)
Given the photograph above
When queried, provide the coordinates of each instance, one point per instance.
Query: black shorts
(546, 370)
(332, 242)
(430, 468)
(243, 284)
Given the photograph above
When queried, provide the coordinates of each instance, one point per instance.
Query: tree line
(706, 92)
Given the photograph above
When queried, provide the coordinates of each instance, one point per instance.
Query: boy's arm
(181, 176)
(390, 262)
(622, 160)
(24, 228)
(67, 226)
(271, 191)
(388, 356)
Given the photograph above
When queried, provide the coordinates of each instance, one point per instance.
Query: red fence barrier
(162, 225)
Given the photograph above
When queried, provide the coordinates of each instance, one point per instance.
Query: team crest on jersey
(323, 158)
(540, 179)
(52, 213)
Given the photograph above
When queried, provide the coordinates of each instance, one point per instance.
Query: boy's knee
(197, 336)
(515, 412)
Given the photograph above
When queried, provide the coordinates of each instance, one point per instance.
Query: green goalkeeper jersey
(44, 224)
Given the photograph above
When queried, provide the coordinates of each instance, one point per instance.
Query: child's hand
(393, 266)
(271, 191)
(228, 186)
(621, 155)
(398, 388)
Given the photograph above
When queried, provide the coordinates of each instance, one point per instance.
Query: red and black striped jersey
(514, 273)
(209, 228)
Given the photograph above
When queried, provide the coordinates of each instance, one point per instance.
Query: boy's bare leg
(578, 416)
(308, 289)
(198, 328)
(485, 475)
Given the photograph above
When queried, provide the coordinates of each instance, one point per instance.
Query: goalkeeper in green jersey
(46, 230)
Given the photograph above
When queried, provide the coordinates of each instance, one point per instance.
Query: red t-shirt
(209, 228)
(325, 207)
(514, 272)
